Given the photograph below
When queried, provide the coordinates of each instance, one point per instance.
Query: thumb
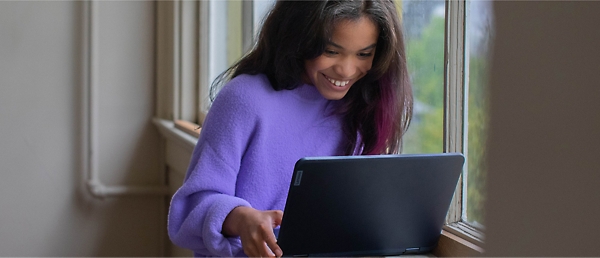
(277, 216)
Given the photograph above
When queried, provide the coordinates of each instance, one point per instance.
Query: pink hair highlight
(386, 116)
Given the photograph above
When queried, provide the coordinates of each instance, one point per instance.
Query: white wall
(544, 165)
(45, 209)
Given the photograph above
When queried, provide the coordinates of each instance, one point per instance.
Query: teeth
(338, 83)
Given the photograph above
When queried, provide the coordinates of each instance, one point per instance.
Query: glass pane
(261, 8)
(479, 35)
(234, 31)
(218, 41)
(227, 16)
(423, 23)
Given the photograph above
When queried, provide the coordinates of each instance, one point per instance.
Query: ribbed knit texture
(249, 143)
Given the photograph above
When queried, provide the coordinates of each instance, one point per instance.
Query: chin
(334, 95)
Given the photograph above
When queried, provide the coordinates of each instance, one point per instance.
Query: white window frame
(191, 37)
(455, 113)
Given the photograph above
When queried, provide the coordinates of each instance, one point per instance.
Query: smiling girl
(325, 78)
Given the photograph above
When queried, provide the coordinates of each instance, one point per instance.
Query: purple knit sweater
(245, 156)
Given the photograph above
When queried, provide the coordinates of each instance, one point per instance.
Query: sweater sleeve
(199, 208)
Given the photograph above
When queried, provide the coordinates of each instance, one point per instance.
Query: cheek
(318, 64)
(366, 66)
(312, 67)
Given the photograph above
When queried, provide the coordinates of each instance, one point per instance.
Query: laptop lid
(368, 205)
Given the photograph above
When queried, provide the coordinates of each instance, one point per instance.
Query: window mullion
(188, 71)
(203, 46)
(176, 61)
(454, 92)
(247, 25)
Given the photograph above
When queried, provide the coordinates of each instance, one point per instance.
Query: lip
(337, 88)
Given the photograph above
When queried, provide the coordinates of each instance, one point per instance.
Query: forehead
(355, 34)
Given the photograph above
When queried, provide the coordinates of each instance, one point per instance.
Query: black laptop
(368, 205)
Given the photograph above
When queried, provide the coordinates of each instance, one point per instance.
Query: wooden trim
(451, 245)
(454, 94)
(188, 127)
(465, 232)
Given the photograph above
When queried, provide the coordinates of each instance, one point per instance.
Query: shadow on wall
(127, 151)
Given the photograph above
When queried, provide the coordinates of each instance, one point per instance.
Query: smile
(336, 82)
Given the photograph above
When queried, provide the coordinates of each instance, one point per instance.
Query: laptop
(368, 205)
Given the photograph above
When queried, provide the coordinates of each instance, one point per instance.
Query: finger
(250, 250)
(266, 251)
(254, 244)
(259, 250)
(274, 247)
(251, 245)
(256, 241)
(272, 244)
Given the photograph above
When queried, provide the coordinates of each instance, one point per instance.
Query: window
(424, 25)
(197, 40)
(479, 33)
(447, 45)
(231, 27)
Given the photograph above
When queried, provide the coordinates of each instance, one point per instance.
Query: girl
(325, 78)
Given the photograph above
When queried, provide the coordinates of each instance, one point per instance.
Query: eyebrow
(338, 46)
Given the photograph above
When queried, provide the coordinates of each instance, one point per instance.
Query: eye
(330, 52)
(365, 54)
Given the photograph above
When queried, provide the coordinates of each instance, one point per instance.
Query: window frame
(455, 117)
(454, 94)
(207, 46)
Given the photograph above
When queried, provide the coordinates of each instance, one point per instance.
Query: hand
(255, 229)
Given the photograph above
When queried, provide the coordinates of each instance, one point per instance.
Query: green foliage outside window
(477, 126)
(425, 57)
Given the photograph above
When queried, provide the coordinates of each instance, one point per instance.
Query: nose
(346, 68)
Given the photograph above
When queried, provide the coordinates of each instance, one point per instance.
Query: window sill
(454, 243)
(171, 132)
(188, 127)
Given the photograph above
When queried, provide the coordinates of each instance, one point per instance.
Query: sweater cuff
(212, 234)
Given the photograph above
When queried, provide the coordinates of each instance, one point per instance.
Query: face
(347, 58)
